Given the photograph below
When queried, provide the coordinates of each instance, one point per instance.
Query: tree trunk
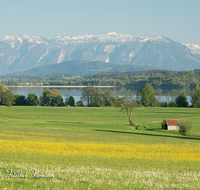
(131, 123)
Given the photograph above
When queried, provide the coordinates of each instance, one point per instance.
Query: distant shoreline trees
(93, 97)
(159, 78)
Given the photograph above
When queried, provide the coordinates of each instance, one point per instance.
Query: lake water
(76, 92)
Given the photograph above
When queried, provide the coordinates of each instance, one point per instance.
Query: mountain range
(21, 53)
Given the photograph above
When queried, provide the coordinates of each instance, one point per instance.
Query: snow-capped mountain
(20, 53)
(195, 48)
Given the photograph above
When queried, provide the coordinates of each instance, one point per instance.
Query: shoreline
(62, 86)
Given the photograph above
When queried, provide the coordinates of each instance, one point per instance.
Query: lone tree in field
(127, 104)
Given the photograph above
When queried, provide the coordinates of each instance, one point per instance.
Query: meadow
(95, 148)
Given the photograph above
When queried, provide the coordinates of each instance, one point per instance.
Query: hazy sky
(175, 19)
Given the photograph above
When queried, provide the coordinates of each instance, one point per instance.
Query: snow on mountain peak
(152, 38)
(12, 40)
(109, 37)
(31, 39)
(112, 33)
(7, 38)
(195, 49)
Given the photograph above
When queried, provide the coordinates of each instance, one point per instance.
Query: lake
(76, 92)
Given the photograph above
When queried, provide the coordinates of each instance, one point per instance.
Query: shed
(172, 125)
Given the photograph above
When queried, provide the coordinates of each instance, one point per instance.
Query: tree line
(158, 78)
(93, 97)
(48, 98)
(145, 97)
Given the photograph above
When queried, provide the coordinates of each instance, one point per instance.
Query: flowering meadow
(162, 152)
(95, 148)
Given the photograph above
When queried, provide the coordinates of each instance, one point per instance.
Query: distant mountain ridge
(81, 67)
(20, 53)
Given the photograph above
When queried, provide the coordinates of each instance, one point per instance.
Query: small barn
(172, 124)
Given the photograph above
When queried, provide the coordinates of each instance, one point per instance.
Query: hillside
(81, 67)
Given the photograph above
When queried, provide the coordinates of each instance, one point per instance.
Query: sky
(176, 19)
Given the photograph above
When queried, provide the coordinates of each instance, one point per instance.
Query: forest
(158, 78)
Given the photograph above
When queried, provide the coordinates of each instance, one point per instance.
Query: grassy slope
(97, 120)
(91, 125)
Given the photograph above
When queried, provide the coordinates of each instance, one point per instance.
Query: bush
(164, 124)
(185, 127)
(79, 103)
(172, 104)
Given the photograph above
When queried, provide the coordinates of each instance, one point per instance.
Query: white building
(172, 125)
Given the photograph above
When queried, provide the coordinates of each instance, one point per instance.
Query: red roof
(172, 122)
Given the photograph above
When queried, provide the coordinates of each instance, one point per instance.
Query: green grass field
(95, 148)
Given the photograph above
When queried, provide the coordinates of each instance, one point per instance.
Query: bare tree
(168, 97)
(127, 105)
